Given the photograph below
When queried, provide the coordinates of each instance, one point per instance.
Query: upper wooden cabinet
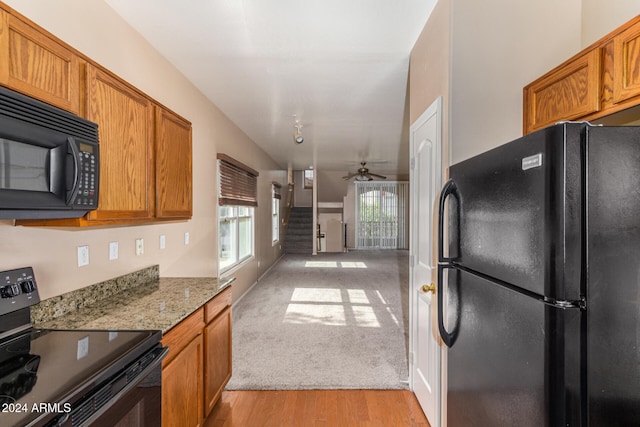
(602, 79)
(37, 65)
(565, 93)
(125, 123)
(173, 166)
(145, 149)
(626, 66)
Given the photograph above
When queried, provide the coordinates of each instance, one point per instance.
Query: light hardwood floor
(317, 408)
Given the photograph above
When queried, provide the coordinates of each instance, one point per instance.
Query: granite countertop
(158, 304)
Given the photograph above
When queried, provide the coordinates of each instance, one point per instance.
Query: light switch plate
(83, 347)
(186, 238)
(139, 246)
(83, 256)
(163, 241)
(113, 251)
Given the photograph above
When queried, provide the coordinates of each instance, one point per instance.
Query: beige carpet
(330, 321)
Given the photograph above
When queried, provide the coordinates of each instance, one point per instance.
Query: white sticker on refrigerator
(531, 162)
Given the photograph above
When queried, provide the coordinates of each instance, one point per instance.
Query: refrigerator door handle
(450, 188)
(447, 338)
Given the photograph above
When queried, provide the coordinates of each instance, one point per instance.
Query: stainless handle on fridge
(447, 338)
(449, 188)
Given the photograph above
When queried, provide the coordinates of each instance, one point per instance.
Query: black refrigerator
(539, 281)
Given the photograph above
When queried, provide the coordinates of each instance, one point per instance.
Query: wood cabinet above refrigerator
(600, 80)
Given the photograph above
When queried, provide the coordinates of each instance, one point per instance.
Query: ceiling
(339, 67)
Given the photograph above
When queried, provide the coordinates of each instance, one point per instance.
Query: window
(381, 210)
(237, 197)
(236, 235)
(308, 179)
(275, 212)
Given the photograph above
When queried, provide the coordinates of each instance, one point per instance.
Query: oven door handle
(112, 388)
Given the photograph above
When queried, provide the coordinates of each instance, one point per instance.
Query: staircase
(299, 238)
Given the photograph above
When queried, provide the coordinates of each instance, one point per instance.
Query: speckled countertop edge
(159, 304)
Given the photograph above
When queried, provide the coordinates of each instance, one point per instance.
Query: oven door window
(24, 166)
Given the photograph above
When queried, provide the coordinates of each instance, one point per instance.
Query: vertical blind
(238, 183)
(381, 215)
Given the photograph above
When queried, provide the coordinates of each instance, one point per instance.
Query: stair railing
(289, 204)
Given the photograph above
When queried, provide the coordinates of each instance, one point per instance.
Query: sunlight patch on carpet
(325, 264)
(323, 314)
(316, 295)
(350, 264)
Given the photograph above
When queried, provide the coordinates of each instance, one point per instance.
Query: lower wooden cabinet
(198, 364)
(182, 387)
(217, 365)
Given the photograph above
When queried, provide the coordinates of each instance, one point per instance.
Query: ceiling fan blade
(351, 175)
(376, 175)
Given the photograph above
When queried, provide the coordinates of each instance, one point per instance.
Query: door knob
(428, 288)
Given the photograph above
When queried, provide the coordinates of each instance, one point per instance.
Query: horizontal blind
(238, 183)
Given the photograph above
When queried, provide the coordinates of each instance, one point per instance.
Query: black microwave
(49, 160)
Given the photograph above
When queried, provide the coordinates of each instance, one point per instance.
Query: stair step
(299, 234)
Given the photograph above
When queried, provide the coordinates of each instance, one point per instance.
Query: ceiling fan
(363, 174)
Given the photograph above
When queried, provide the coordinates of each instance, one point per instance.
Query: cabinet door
(182, 387)
(217, 365)
(37, 65)
(125, 120)
(626, 65)
(173, 166)
(568, 92)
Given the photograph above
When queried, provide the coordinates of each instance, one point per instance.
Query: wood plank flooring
(317, 408)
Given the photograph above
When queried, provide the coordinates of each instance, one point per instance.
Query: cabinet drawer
(217, 304)
(180, 335)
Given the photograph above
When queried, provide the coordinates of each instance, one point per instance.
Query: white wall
(600, 18)
(302, 197)
(498, 47)
(93, 28)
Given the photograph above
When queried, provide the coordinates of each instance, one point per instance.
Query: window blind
(276, 190)
(238, 183)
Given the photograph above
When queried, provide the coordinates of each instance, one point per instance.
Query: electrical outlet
(139, 246)
(186, 238)
(113, 251)
(163, 241)
(83, 256)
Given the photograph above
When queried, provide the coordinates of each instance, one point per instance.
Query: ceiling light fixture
(297, 135)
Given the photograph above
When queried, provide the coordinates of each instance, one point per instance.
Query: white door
(426, 142)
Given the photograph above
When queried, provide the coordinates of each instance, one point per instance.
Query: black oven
(49, 160)
(73, 377)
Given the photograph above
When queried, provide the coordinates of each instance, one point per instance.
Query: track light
(297, 135)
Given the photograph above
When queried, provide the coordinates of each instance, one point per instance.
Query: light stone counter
(159, 303)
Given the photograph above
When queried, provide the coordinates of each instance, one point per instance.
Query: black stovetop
(41, 370)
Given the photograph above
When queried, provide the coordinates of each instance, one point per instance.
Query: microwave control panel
(88, 176)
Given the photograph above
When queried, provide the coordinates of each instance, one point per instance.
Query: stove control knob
(9, 291)
(27, 286)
